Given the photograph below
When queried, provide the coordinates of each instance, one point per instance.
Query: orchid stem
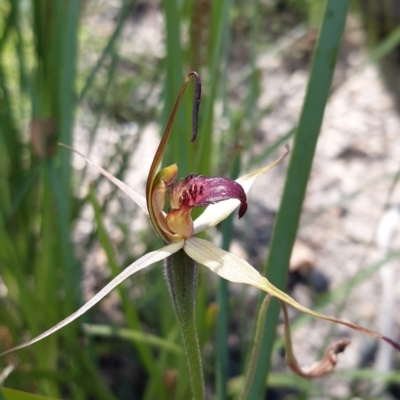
(256, 348)
(182, 279)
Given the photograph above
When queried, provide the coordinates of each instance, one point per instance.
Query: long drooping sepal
(234, 269)
(136, 197)
(215, 213)
(143, 262)
(161, 148)
(319, 368)
(182, 279)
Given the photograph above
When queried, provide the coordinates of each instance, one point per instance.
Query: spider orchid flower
(178, 231)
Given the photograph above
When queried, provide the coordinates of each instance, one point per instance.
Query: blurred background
(102, 76)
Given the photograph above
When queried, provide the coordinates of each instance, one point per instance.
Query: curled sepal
(318, 369)
(200, 191)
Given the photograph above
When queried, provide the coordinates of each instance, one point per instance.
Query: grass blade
(305, 140)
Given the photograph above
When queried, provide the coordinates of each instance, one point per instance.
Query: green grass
(305, 140)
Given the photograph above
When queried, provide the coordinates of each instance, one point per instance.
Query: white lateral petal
(225, 264)
(136, 197)
(143, 262)
(234, 269)
(215, 213)
(247, 180)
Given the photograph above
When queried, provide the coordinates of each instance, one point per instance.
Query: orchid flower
(178, 231)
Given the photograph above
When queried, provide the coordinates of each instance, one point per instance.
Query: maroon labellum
(200, 191)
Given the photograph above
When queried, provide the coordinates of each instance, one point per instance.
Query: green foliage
(10, 394)
(305, 140)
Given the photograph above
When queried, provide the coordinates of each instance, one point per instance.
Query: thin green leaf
(298, 172)
(133, 335)
(11, 394)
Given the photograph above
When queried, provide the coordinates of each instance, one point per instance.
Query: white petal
(136, 197)
(234, 269)
(215, 213)
(225, 264)
(143, 262)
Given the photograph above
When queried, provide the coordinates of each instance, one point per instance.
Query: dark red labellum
(199, 191)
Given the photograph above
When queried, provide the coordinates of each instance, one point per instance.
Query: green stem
(222, 353)
(256, 349)
(182, 280)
